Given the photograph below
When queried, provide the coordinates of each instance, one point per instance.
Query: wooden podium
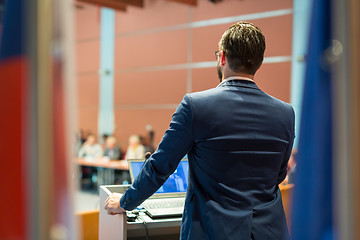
(111, 227)
(117, 227)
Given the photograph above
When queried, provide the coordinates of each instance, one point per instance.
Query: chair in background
(286, 193)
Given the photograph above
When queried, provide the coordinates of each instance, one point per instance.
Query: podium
(117, 227)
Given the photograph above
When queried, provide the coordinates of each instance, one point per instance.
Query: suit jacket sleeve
(283, 169)
(176, 142)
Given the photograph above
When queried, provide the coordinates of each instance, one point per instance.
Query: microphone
(147, 155)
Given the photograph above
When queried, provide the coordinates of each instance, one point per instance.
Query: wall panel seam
(184, 66)
(201, 23)
(195, 65)
(156, 106)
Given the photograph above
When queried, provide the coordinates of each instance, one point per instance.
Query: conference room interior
(158, 59)
(128, 64)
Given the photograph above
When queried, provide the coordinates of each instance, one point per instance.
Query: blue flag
(12, 37)
(312, 200)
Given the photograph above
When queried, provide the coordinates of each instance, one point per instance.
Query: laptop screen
(176, 183)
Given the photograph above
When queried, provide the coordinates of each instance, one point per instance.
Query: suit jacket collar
(238, 83)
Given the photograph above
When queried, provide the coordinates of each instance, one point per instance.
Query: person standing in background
(82, 136)
(149, 147)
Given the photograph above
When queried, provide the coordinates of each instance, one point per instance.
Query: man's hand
(112, 204)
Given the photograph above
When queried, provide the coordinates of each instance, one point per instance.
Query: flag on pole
(12, 82)
(312, 200)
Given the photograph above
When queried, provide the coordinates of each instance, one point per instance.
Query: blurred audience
(148, 141)
(83, 136)
(76, 144)
(90, 149)
(135, 150)
(112, 149)
(103, 143)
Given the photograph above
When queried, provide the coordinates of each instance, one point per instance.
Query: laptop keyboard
(164, 203)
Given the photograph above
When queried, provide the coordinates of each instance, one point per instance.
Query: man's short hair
(244, 46)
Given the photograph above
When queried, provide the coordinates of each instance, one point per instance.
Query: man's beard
(219, 72)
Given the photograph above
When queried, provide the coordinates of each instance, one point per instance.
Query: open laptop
(169, 199)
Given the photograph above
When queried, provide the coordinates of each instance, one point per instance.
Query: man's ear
(222, 58)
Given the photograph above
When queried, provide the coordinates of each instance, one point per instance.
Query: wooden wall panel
(274, 79)
(88, 90)
(88, 119)
(133, 121)
(355, 118)
(278, 35)
(158, 87)
(88, 56)
(206, 41)
(151, 50)
(155, 53)
(87, 22)
(155, 14)
(208, 10)
(278, 39)
(204, 78)
(87, 65)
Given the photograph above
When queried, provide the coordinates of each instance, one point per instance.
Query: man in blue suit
(238, 140)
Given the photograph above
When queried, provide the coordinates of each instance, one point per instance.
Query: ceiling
(122, 5)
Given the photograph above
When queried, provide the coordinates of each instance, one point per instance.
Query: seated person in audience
(112, 150)
(90, 149)
(135, 150)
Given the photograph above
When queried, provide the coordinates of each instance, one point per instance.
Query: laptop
(168, 201)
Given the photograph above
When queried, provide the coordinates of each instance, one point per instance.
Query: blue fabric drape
(312, 202)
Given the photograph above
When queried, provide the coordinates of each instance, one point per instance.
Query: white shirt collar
(234, 78)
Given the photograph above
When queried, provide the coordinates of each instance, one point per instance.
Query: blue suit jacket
(238, 140)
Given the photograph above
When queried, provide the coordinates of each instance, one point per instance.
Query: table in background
(105, 168)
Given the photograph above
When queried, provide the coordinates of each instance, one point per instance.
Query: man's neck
(238, 75)
(227, 72)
